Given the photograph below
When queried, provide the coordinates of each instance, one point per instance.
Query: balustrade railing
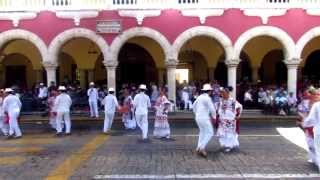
(65, 5)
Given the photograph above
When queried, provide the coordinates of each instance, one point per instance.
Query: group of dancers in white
(220, 118)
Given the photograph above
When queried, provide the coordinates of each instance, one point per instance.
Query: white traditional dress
(4, 126)
(303, 111)
(52, 112)
(161, 124)
(227, 134)
(128, 116)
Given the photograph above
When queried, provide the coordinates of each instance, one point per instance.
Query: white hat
(41, 84)
(206, 87)
(111, 89)
(91, 84)
(8, 90)
(142, 86)
(62, 88)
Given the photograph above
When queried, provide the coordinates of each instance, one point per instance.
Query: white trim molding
(214, 33)
(139, 14)
(120, 40)
(16, 17)
(274, 32)
(313, 12)
(305, 39)
(65, 36)
(9, 35)
(264, 14)
(202, 14)
(76, 15)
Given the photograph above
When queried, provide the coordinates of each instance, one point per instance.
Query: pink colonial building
(161, 41)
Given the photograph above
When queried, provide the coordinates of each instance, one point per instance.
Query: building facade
(142, 41)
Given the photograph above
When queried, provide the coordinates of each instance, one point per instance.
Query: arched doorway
(311, 67)
(244, 68)
(67, 70)
(18, 71)
(273, 70)
(196, 65)
(135, 66)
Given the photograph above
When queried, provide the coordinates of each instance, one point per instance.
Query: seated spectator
(281, 103)
(292, 103)
(261, 97)
(248, 100)
(268, 102)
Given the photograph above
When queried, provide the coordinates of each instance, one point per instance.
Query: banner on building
(109, 26)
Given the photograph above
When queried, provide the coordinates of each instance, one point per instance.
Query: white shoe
(310, 161)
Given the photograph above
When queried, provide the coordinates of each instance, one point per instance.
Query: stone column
(111, 73)
(90, 75)
(292, 67)
(171, 79)
(255, 74)
(211, 73)
(83, 81)
(232, 74)
(51, 72)
(161, 72)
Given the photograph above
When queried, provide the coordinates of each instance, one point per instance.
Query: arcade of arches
(143, 60)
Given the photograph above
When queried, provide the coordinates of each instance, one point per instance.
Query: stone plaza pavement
(88, 154)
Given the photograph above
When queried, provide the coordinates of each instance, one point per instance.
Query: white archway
(202, 31)
(9, 35)
(305, 39)
(65, 36)
(270, 31)
(120, 40)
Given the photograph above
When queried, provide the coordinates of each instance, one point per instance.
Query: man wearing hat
(62, 105)
(11, 107)
(141, 103)
(204, 111)
(93, 100)
(110, 103)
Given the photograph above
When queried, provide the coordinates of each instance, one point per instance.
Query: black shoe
(17, 137)
(59, 134)
(68, 134)
(9, 137)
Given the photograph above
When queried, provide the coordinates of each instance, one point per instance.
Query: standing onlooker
(93, 100)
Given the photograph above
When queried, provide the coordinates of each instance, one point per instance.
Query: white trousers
(93, 108)
(63, 116)
(4, 126)
(311, 150)
(142, 121)
(108, 120)
(205, 132)
(317, 149)
(14, 128)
